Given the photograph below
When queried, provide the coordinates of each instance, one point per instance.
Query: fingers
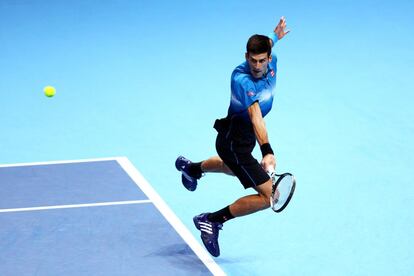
(283, 22)
(280, 29)
(268, 162)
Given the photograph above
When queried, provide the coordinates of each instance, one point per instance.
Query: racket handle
(272, 174)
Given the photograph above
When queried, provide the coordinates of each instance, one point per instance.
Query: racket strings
(282, 192)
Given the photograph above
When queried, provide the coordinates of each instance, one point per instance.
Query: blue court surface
(146, 80)
(91, 218)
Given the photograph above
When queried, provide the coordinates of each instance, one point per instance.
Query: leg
(215, 164)
(210, 223)
(191, 172)
(253, 203)
(251, 175)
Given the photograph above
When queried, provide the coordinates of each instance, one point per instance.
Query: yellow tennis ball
(50, 91)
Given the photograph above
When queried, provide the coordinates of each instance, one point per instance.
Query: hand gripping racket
(283, 186)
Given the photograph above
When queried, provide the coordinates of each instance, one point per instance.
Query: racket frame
(276, 178)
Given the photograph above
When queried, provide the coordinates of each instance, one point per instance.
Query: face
(258, 64)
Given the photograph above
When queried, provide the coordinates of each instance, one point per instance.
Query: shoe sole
(186, 176)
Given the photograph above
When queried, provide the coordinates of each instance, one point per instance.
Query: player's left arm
(259, 126)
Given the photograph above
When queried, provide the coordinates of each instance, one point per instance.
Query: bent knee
(265, 199)
(265, 192)
(226, 169)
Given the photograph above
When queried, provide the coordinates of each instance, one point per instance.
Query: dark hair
(258, 44)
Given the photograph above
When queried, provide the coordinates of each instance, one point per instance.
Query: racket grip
(271, 173)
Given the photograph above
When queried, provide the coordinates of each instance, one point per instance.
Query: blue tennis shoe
(183, 164)
(209, 233)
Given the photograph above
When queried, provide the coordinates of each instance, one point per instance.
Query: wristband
(266, 149)
(273, 37)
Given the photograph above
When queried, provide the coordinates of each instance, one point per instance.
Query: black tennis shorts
(236, 153)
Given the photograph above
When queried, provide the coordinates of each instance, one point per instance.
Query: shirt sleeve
(247, 92)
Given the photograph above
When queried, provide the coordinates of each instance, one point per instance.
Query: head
(259, 54)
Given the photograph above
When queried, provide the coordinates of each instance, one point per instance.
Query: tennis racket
(283, 186)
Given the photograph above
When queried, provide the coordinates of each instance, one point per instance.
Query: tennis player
(252, 91)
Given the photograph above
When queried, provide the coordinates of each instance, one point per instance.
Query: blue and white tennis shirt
(245, 89)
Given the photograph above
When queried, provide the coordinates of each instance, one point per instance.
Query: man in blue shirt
(252, 90)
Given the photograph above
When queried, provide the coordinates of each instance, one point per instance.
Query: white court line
(59, 162)
(41, 208)
(170, 216)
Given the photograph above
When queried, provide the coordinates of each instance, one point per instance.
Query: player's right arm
(259, 127)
